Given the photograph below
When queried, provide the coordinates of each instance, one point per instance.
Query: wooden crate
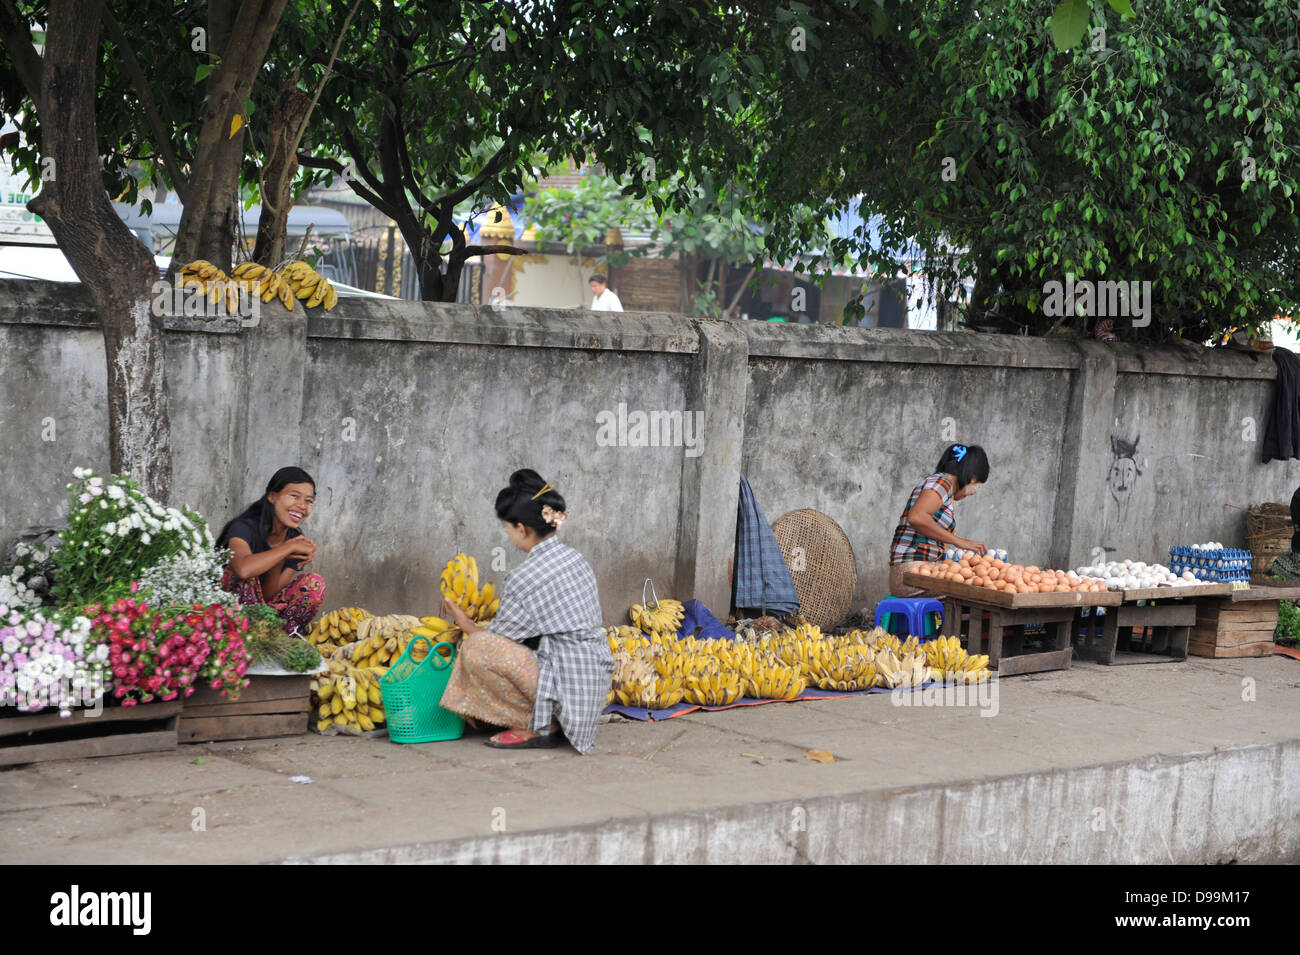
(269, 706)
(116, 731)
(1230, 628)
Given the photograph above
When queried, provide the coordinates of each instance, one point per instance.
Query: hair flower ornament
(959, 451)
(553, 517)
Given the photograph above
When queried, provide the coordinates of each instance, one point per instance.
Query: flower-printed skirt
(494, 680)
(297, 604)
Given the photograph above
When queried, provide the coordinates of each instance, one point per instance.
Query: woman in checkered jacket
(928, 521)
(543, 670)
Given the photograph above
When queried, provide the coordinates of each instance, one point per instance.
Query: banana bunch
(309, 286)
(715, 690)
(741, 658)
(336, 628)
(460, 584)
(775, 682)
(844, 669)
(952, 664)
(263, 282)
(212, 282)
(806, 631)
(811, 658)
(880, 637)
(635, 683)
(907, 670)
(656, 693)
(389, 625)
(664, 619)
(380, 641)
(627, 639)
(348, 698)
(437, 630)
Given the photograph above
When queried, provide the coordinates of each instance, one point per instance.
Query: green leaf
(879, 23)
(1122, 7)
(202, 71)
(1069, 21)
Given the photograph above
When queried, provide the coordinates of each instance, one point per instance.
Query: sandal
(511, 740)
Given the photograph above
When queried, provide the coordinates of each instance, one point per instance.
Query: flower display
(163, 654)
(115, 531)
(46, 660)
(186, 579)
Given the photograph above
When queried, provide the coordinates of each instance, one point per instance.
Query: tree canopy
(1160, 150)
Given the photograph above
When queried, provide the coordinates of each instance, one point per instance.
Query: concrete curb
(1236, 804)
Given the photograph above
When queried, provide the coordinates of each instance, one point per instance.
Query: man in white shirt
(605, 300)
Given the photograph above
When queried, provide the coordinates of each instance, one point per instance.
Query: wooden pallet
(269, 706)
(998, 598)
(116, 731)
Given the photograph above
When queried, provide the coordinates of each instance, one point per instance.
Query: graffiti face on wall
(1124, 471)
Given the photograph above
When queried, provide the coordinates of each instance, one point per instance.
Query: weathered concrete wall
(412, 416)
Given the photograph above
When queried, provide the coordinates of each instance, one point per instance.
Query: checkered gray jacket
(553, 595)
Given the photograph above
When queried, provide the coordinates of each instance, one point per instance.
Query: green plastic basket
(413, 694)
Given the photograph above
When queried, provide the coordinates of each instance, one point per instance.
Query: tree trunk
(115, 268)
(239, 33)
(425, 254)
(291, 111)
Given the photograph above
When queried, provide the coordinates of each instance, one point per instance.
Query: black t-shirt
(247, 530)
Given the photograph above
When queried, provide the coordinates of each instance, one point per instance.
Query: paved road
(366, 794)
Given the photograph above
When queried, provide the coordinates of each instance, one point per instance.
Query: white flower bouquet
(115, 531)
(183, 580)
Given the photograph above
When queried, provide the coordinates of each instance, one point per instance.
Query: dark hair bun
(520, 503)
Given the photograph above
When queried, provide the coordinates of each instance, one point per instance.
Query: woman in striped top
(928, 521)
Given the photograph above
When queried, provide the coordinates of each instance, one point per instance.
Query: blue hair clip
(959, 451)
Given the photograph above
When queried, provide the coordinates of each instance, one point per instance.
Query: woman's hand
(452, 611)
(977, 546)
(299, 548)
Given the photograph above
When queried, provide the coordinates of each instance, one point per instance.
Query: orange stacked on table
(1010, 578)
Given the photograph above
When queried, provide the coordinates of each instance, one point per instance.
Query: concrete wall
(411, 416)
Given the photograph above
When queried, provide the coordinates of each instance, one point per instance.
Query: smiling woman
(269, 551)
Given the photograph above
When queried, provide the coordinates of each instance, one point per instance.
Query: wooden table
(1008, 657)
(1241, 624)
(1170, 614)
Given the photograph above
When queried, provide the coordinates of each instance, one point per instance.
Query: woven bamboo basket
(821, 561)
(1268, 533)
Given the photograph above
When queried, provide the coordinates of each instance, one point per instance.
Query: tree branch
(16, 37)
(152, 114)
(297, 140)
(470, 187)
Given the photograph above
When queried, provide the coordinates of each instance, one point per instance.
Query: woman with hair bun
(543, 670)
(928, 521)
(269, 552)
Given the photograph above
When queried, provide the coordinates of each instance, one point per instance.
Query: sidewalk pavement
(373, 800)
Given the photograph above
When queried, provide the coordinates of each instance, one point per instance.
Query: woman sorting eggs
(928, 521)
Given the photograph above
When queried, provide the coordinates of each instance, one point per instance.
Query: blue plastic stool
(916, 610)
